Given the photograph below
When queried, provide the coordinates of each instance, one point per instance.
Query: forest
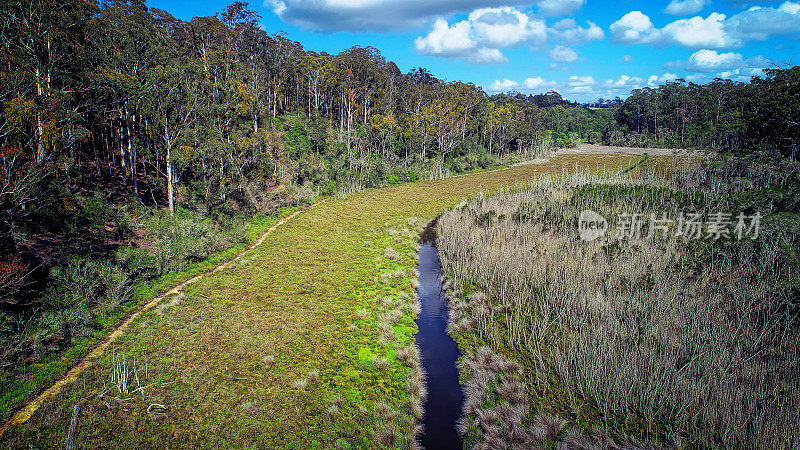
(134, 145)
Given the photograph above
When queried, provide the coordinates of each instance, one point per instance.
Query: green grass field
(282, 349)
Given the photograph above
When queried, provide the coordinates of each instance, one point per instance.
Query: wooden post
(72, 424)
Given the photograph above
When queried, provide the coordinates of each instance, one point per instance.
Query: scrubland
(649, 342)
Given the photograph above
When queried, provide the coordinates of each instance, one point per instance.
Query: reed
(692, 338)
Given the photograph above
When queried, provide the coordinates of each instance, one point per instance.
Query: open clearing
(281, 349)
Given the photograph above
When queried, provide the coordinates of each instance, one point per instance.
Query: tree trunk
(168, 143)
(121, 142)
(132, 153)
(39, 126)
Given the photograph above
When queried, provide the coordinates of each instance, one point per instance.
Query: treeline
(730, 116)
(217, 113)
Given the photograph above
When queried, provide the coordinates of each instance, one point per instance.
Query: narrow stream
(439, 353)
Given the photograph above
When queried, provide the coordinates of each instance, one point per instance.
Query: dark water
(439, 354)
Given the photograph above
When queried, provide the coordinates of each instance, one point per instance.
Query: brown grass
(677, 338)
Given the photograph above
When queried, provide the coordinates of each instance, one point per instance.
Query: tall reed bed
(667, 340)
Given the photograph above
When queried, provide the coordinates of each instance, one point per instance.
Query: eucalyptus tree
(172, 102)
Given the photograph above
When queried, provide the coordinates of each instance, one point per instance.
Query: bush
(80, 290)
(91, 214)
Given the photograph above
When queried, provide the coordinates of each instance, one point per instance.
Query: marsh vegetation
(665, 341)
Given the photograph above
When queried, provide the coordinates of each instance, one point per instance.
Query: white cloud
(655, 80)
(758, 23)
(582, 88)
(698, 78)
(621, 87)
(480, 38)
(579, 85)
(711, 61)
(502, 85)
(624, 81)
(559, 7)
(684, 7)
(572, 33)
(627, 58)
(696, 32)
(700, 33)
(447, 41)
(563, 54)
(581, 81)
(487, 56)
(376, 15)
(634, 27)
(716, 31)
(504, 27)
(537, 84)
(743, 74)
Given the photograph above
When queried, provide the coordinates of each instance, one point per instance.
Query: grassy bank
(34, 377)
(297, 345)
(663, 341)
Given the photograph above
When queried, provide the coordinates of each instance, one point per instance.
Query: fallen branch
(155, 405)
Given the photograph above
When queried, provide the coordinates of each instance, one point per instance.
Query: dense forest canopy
(115, 102)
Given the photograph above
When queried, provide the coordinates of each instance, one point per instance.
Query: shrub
(80, 290)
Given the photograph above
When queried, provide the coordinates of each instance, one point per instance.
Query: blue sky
(584, 49)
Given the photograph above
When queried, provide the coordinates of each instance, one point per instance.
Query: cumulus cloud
(393, 15)
(758, 23)
(580, 84)
(537, 84)
(627, 58)
(375, 15)
(716, 31)
(505, 27)
(743, 74)
(571, 33)
(634, 27)
(711, 61)
(684, 7)
(480, 38)
(583, 88)
(625, 81)
(655, 80)
(563, 54)
(502, 85)
(698, 32)
(621, 86)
